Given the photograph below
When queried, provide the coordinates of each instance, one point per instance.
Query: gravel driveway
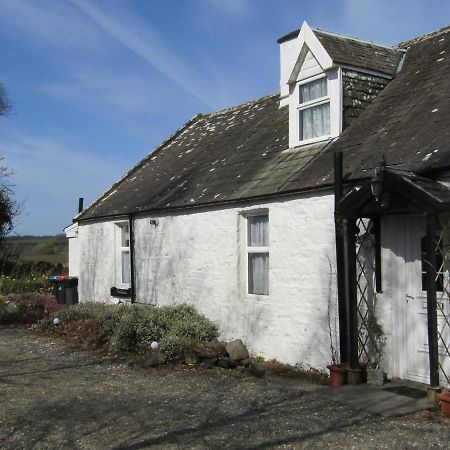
(53, 397)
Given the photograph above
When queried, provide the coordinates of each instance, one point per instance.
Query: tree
(5, 105)
(8, 207)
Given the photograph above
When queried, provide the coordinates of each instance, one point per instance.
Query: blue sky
(97, 85)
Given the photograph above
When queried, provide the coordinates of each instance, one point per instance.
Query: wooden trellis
(443, 301)
(366, 290)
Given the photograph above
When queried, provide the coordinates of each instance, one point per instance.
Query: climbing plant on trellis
(443, 299)
(369, 350)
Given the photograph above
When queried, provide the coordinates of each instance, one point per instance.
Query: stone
(191, 357)
(245, 362)
(226, 363)
(255, 370)
(237, 350)
(153, 359)
(210, 349)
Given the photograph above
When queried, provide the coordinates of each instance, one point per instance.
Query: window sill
(260, 299)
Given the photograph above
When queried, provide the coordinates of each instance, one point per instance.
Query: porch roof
(402, 192)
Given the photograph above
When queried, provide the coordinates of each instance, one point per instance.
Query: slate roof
(408, 122)
(355, 52)
(234, 154)
(241, 153)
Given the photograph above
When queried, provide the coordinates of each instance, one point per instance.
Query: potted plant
(444, 402)
(338, 374)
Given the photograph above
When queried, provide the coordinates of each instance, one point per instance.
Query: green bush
(35, 283)
(26, 308)
(132, 328)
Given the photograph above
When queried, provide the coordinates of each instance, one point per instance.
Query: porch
(392, 246)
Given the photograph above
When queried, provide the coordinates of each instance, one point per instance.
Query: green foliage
(131, 328)
(26, 308)
(50, 249)
(33, 283)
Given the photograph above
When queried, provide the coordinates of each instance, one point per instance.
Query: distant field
(53, 249)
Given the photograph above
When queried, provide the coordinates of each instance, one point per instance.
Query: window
(124, 269)
(314, 109)
(257, 254)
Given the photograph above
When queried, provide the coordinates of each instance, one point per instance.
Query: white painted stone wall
(74, 255)
(97, 261)
(196, 258)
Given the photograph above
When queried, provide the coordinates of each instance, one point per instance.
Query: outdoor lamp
(154, 345)
(56, 321)
(376, 184)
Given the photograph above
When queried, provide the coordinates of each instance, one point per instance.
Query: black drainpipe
(132, 277)
(340, 258)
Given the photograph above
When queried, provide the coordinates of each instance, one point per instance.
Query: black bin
(64, 289)
(70, 287)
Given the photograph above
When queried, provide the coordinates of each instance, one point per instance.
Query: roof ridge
(344, 36)
(236, 107)
(424, 37)
(111, 189)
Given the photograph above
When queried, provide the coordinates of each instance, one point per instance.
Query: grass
(52, 249)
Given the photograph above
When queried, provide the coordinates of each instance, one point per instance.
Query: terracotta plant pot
(444, 400)
(338, 374)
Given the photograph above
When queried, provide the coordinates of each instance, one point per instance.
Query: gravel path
(52, 397)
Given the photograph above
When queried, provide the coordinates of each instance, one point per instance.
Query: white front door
(415, 305)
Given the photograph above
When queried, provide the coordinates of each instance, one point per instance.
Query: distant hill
(52, 249)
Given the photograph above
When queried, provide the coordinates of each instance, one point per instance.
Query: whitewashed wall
(196, 258)
(74, 254)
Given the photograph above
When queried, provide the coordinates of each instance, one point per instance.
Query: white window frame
(334, 97)
(247, 250)
(120, 250)
(311, 104)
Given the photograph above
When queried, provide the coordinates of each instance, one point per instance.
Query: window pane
(126, 270)
(125, 235)
(313, 90)
(315, 121)
(258, 231)
(258, 273)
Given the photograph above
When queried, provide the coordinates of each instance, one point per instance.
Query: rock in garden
(226, 363)
(256, 371)
(237, 350)
(210, 349)
(191, 357)
(153, 359)
(245, 362)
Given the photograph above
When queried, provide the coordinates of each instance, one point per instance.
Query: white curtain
(126, 269)
(258, 263)
(313, 90)
(258, 273)
(258, 231)
(315, 121)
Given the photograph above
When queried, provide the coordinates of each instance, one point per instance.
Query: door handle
(408, 297)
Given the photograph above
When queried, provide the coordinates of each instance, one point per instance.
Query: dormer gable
(327, 79)
(311, 50)
(311, 86)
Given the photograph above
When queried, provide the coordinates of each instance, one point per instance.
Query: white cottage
(240, 213)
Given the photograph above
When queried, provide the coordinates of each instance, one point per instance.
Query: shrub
(125, 329)
(26, 308)
(34, 283)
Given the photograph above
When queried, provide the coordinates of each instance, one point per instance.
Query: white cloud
(138, 37)
(49, 176)
(123, 91)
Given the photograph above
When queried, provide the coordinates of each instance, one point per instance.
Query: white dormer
(311, 86)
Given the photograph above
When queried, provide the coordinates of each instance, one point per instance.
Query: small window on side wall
(257, 254)
(123, 260)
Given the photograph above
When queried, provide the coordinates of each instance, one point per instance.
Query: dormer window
(314, 109)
